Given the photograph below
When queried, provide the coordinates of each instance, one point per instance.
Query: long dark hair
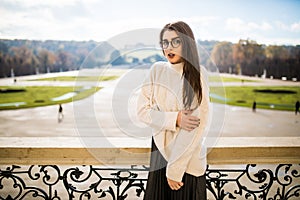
(191, 64)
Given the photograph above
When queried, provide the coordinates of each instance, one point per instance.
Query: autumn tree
(222, 56)
(248, 58)
(64, 61)
(4, 65)
(24, 62)
(283, 61)
(47, 60)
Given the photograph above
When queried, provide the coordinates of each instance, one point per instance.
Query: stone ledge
(128, 152)
(134, 142)
(141, 156)
(73, 142)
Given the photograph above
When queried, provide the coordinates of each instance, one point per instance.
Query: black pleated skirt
(157, 188)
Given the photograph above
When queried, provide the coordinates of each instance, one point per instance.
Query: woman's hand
(174, 185)
(186, 121)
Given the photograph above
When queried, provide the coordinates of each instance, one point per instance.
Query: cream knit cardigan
(159, 102)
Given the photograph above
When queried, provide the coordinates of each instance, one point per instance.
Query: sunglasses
(175, 42)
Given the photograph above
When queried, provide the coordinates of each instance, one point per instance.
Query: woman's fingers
(187, 121)
(175, 185)
(193, 122)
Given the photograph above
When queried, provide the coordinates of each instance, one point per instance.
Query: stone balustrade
(64, 168)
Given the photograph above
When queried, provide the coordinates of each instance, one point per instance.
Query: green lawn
(78, 78)
(278, 98)
(228, 79)
(34, 96)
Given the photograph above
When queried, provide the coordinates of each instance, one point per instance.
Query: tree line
(247, 57)
(26, 57)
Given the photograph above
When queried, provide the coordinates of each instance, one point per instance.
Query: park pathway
(105, 114)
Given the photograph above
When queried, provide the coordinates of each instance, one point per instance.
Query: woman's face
(172, 46)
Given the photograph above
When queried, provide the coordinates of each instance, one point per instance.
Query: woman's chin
(174, 60)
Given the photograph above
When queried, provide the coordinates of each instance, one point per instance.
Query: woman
(174, 102)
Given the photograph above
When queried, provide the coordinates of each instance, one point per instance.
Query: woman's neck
(178, 67)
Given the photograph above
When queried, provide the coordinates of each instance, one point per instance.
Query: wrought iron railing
(54, 182)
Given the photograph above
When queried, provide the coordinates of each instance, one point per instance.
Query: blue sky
(265, 21)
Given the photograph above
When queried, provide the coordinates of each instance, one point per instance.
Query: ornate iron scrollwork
(254, 183)
(52, 182)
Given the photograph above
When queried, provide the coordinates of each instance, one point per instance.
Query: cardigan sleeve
(186, 142)
(148, 112)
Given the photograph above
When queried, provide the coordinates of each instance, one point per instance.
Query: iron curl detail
(53, 182)
(254, 182)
